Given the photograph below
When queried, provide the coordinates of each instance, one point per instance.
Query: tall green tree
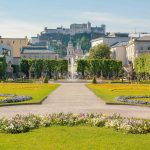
(3, 66)
(100, 51)
(24, 65)
(99, 67)
(82, 66)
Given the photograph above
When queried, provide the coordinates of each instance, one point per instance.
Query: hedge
(2, 67)
(99, 67)
(142, 66)
(53, 68)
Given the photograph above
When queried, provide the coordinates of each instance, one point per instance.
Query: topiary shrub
(94, 80)
(46, 80)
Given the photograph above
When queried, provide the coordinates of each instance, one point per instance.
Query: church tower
(78, 50)
(70, 52)
(70, 49)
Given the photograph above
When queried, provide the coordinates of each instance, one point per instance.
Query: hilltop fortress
(60, 32)
(77, 29)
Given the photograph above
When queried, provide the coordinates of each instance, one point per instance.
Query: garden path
(76, 98)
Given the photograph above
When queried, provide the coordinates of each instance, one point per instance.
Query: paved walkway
(76, 98)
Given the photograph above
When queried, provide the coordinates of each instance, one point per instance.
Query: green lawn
(74, 138)
(108, 92)
(37, 91)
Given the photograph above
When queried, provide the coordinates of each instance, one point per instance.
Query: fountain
(71, 76)
(72, 69)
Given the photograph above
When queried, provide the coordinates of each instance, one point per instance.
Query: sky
(20, 18)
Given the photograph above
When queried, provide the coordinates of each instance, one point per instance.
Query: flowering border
(21, 124)
(11, 98)
(130, 99)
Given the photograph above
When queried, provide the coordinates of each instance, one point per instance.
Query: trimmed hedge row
(51, 67)
(2, 67)
(142, 66)
(99, 67)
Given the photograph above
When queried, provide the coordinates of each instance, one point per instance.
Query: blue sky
(28, 17)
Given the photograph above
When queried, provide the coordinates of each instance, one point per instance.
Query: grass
(108, 92)
(74, 138)
(37, 91)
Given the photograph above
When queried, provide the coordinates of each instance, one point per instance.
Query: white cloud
(16, 28)
(19, 28)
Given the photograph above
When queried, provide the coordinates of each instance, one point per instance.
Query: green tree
(99, 67)
(3, 66)
(38, 67)
(82, 66)
(62, 67)
(142, 66)
(100, 51)
(24, 65)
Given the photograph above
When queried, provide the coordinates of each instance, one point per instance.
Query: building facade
(137, 47)
(16, 44)
(38, 52)
(110, 40)
(128, 51)
(72, 55)
(118, 52)
(7, 51)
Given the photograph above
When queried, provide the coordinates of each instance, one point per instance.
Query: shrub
(46, 80)
(94, 80)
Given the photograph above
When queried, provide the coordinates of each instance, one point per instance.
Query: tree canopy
(99, 67)
(38, 66)
(2, 67)
(100, 51)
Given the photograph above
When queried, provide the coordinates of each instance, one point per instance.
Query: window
(141, 47)
(6, 52)
(149, 48)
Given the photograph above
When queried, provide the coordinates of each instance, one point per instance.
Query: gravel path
(76, 98)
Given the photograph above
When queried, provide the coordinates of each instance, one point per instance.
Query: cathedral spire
(78, 46)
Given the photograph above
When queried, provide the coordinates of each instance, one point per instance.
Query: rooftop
(144, 38)
(37, 51)
(120, 44)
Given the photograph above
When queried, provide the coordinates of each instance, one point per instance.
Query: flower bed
(10, 98)
(20, 124)
(130, 99)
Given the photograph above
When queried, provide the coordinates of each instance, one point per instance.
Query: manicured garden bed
(37, 91)
(74, 138)
(74, 131)
(109, 92)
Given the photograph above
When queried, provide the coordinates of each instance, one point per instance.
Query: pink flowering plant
(21, 123)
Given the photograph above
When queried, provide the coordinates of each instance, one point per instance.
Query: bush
(94, 80)
(46, 80)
